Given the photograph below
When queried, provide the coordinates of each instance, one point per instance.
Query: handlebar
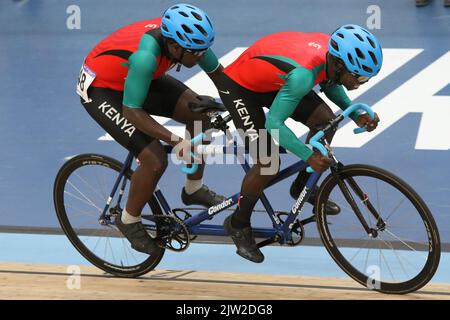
(198, 138)
(314, 141)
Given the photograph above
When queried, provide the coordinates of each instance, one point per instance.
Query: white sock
(192, 186)
(128, 218)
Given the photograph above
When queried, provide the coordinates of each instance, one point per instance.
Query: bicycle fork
(371, 232)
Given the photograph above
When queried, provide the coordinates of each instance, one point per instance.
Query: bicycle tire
(58, 195)
(432, 262)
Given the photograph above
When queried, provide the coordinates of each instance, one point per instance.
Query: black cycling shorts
(246, 108)
(106, 109)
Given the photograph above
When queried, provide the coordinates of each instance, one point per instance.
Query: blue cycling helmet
(358, 49)
(189, 26)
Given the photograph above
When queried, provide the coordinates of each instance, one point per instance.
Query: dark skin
(317, 161)
(153, 159)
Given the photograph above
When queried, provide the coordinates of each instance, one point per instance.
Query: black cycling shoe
(138, 237)
(331, 208)
(203, 197)
(244, 241)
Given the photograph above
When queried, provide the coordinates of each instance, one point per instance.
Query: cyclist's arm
(337, 95)
(210, 64)
(298, 83)
(142, 65)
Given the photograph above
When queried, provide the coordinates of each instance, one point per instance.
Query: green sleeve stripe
(141, 66)
(209, 63)
(298, 83)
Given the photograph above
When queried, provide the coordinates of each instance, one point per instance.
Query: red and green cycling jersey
(291, 63)
(130, 58)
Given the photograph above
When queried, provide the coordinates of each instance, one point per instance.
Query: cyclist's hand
(183, 151)
(366, 121)
(318, 162)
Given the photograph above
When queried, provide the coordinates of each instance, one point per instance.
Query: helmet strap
(337, 69)
(172, 59)
(179, 61)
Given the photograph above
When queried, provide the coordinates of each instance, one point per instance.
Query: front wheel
(80, 193)
(401, 252)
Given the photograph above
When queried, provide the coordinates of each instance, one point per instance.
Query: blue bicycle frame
(279, 230)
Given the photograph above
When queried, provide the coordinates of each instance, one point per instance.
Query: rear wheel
(81, 191)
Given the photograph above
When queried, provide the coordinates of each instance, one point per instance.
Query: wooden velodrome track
(27, 281)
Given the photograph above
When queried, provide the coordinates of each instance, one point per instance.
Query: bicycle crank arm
(269, 241)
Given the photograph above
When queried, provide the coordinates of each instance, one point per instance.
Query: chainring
(183, 215)
(297, 230)
(172, 233)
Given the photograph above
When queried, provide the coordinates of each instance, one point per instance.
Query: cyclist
(123, 81)
(279, 71)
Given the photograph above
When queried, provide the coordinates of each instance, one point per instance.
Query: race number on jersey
(85, 79)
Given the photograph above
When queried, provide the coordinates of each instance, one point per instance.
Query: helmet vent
(374, 58)
(340, 35)
(186, 28)
(349, 27)
(174, 7)
(210, 24)
(164, 27)
(197, 41)
(167, 16)
(184, 14)
(359, 53)
(190, 7)
(200, 28)
(334, 45)
(196, 15)
(367, 69)
(350, 59)
(371, 42)
(180, 36)
(359, 37)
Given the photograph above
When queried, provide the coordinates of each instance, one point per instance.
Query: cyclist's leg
(313, 112)
(170, 98)
(153, 163)
(248, 117)
(106, 109)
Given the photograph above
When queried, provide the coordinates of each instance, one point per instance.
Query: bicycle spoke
(406, 244)
(101, 183)
(362, 247)
(90, 187)
(395, 209)
(398, 256)
(387, 265)
(88, 201)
